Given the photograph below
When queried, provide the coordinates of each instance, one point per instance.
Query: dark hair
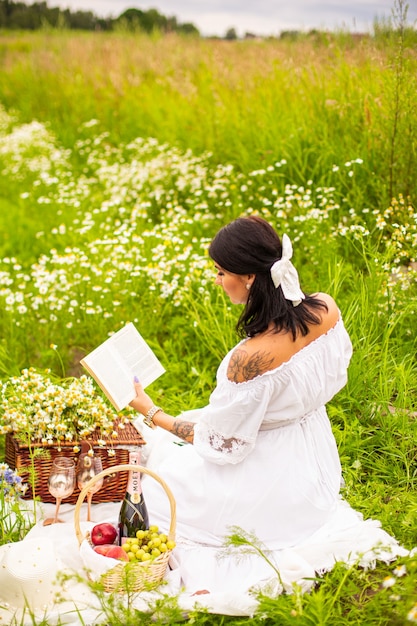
(249, 245)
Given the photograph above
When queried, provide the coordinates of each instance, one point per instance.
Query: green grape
(141, 534)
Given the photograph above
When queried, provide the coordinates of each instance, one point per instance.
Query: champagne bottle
(133, 515)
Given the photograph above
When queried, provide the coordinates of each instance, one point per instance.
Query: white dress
(265, 460)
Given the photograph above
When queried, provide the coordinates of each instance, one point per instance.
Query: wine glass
(87, 467)
(61, 483)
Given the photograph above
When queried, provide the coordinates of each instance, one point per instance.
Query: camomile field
(122, 154)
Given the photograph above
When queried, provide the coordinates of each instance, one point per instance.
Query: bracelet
(148, 419)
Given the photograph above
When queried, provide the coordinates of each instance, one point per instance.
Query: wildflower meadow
(116, 173)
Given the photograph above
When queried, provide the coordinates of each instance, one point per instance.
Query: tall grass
(316, 102)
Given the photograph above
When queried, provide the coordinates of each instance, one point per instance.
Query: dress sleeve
(228, 426)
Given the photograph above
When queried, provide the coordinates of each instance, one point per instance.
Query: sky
(261, 17)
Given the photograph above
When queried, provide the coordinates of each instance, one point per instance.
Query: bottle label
(134, 487)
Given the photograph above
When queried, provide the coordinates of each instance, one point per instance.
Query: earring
(248, 286)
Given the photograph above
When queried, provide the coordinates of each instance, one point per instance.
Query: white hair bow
(284, 273)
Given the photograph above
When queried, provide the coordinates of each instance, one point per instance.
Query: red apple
(103, 549)
(103, 533)
(112, 551)
(116, 552)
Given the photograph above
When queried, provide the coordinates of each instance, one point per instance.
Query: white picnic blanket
(57, 549)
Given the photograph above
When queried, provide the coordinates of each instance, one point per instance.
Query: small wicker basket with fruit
(144, 558)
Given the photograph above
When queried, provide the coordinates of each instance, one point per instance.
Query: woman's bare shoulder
(248, 361)
(330, 317)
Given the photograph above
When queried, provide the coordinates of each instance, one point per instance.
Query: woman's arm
(143, 404)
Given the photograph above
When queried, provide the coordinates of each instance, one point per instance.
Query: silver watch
(148, 419)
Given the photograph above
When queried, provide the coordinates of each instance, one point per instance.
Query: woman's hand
(142, 403)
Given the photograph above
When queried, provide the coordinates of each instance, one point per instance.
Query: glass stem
(89, 498)
(58, 502)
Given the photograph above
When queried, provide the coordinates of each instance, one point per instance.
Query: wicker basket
(131, 576)
(18, 456)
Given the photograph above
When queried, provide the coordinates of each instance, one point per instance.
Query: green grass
(316, 103)
(101, 225)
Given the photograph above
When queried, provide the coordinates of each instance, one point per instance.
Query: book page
(116, 362)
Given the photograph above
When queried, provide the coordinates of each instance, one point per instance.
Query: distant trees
(152, 20)
(19, 15)
(231, 34)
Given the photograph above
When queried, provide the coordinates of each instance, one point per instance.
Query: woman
(263, 456)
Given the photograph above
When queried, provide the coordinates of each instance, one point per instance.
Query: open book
(116, 362)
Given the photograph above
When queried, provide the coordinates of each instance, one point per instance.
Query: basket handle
(123, 468)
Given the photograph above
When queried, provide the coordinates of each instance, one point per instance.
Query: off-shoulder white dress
(265, 460)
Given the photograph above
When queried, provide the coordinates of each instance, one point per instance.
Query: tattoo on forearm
(243, 367)
(184, 430)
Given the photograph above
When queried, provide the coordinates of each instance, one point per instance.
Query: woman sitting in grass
(262, 456)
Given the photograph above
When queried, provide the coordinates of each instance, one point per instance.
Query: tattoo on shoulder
(244, 366)
(183, 429)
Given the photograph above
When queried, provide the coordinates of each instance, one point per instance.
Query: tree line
(19, 15)
(23, 16)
